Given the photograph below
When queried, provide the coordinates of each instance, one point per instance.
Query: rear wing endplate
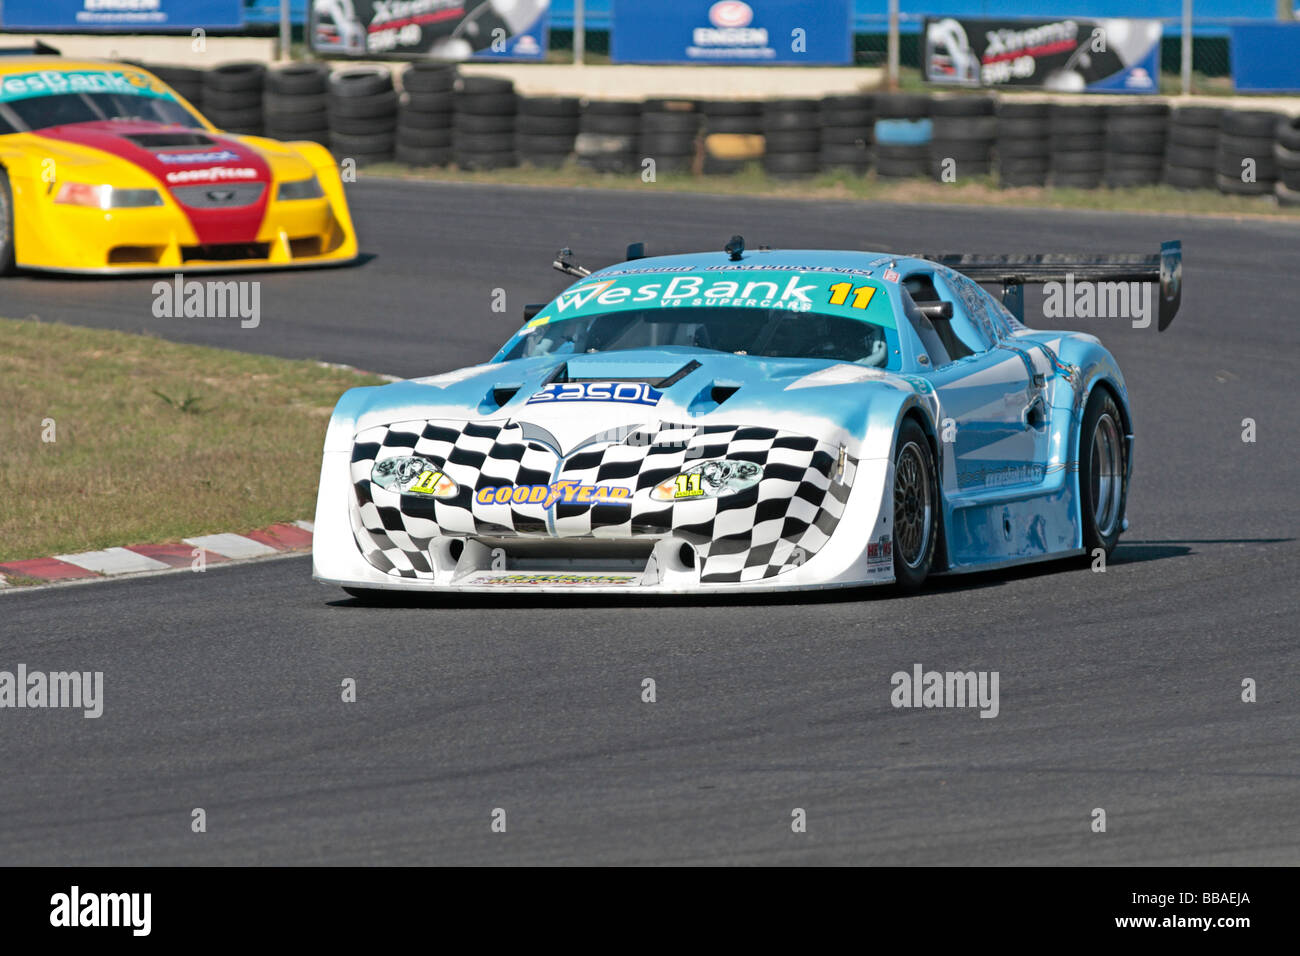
(1015, 272)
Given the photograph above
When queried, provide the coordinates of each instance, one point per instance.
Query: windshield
(745, 331)
(59, 109)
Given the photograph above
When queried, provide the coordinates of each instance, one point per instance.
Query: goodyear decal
(567, 492)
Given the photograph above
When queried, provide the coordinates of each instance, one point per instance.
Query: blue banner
(121, 16)
(1266, 57)
(757, 32)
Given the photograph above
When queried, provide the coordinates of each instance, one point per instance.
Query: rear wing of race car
(1015, 272)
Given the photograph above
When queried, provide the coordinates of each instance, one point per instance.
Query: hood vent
(169, 140)
(560, 375)
(711, 396)
(497, 396)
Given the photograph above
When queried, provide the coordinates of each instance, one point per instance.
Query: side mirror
(532, 308)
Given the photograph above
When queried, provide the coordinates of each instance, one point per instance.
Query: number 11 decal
(840, 292)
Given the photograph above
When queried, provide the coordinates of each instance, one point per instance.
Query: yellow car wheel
(6, 226)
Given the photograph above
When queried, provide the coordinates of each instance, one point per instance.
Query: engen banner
(436, 29)
(1065, 55)
(120, 16)
(732, 31)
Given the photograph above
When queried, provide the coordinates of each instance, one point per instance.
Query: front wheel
(6, 226)
(916, 507)
(1103, 472)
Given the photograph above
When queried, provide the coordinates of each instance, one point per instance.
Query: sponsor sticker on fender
(568, 492)
(552, 580)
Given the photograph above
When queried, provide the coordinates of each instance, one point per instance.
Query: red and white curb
(278, 539)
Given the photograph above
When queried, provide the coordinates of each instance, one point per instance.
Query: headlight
(412, 476)
(106, 197)
(710, 479)
(308, 188)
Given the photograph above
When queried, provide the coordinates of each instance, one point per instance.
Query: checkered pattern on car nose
(747, 536)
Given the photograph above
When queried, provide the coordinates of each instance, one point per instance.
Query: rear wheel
(916, 507)
(1103, 472)
(6, 226)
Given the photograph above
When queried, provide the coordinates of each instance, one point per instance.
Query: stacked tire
(1245, 164)
(1023, 144)
(1192, 153)
(1286, 151)
(424, 113)
(1077, 135)
(608, 134)
(792, 137)
(483, 123)
(232, 97)
(362, 107)
(903, 131)
(964, 131)
(848, 132)
(733, 135)
(546, 128)
(294, 104)
(670, 131)
(185, 80)
(1137, 136)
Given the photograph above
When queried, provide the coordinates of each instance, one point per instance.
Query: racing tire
(483, 142)
(1186, 177)
(962, 106)
(531, 144)
(916, 507)
(414, 119)
(613, 125)
(376, 104)
(1192, 157)
(422, 138)
(421, 155)
(486, 104)
(238, 100)
(290, 104)
(1073, 180)
(1078, 162)
(234, 121)
(1209, 116)
(1255, 124)
(295, 122)
(902, 106)
(1197, 137)
(429, 78)
(557, 106)
(857, 119)
(847, 135)
(1022, 111)
(747, 108)
(363, 126)
(666, 122)
(235, 77)
(739, 125)
(965, 127)
(6, 226)
(1103, 472)
(1024, 149)
(502, 159)
(361, 81)
(470, 123)
(487, 85)
(1235, 187)
(1286, 196)
(298, 79)
(791, 164)
(791, 121)
(430, 102)
(666, 144)
(1288, 133)
(343, 144)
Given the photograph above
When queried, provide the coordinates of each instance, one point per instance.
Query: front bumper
(367, 537)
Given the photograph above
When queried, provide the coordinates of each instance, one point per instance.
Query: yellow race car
(105, 169)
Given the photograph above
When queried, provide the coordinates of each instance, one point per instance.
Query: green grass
(154, 441)
(971, 192)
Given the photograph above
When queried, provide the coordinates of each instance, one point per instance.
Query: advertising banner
(788, 32)
(1266, 57)
(433, 29)
(1066, 55)
(123, 16)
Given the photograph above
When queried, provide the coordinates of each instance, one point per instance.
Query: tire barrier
(670, 131)
(479, 122)
(902, 132)
(792, 137)
(1023, 144)
(362, 108)
(546, 128)
(608, 131)
(848, 133)
(964, 131)
(1077, 140)
(1193, 147)
(424, 115)
(483, 123)
(1136, 142)
(295, 103)
(733, 135)
(232, 97)
(1245, 164)
(1286, 153)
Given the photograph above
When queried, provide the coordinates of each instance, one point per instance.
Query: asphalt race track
(1119, 690)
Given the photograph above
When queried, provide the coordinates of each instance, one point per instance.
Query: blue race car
(745, 421)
